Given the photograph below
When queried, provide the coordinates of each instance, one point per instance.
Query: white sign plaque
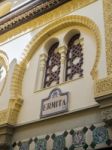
(57, 102)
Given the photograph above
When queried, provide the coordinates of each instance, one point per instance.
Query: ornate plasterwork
(43, 35)
(16, 87)
(33, 46)
(26, 13)
(44, 19)
(107, 4)
(4, 59)
(13, 110)
(10, 114)
(103, 86)
(3, 116)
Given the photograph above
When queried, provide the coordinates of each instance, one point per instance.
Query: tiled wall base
(85, 138)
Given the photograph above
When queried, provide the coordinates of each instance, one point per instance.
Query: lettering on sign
(55, 103)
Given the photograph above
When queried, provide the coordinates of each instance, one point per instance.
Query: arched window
(52, 66)
(74, 58)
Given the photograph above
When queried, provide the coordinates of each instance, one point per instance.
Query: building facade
(58, 94)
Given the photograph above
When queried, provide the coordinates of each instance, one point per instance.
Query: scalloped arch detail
(38, 39)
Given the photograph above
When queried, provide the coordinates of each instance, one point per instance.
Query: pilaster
(43, 59)
(62, 50)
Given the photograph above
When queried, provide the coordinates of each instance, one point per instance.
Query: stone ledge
(106, 108)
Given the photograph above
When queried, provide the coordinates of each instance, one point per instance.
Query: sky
(15, 47)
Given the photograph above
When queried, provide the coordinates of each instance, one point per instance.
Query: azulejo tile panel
(59, 142)
(24, 146)
(78, 138)
(98, 136)
(40, 144)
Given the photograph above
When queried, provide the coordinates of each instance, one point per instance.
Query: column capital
(62, 50)
(43, 57)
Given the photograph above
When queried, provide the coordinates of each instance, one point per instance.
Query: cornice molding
(37, 19)
(27, 13)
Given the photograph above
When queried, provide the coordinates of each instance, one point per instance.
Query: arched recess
(49, 43)
(70, 34)
(33, 46)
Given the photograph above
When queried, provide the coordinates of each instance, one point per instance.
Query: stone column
(62, 50)
(42, 68)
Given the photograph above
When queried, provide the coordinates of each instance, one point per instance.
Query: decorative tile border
(40, 144)
(98, 135)
(78, 138)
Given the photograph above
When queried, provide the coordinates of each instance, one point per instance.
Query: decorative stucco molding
(33, 46)
(54, 27)
(10, 114)
(103, 86)
(27, 12)
(107, 4)
(14, 109)
(3, 116)
(16, 87)
(40, 20)
(4, 60)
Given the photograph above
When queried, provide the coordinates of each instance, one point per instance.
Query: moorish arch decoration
(4, 67)
(104, 86)
(43, 35)
(68, 21)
